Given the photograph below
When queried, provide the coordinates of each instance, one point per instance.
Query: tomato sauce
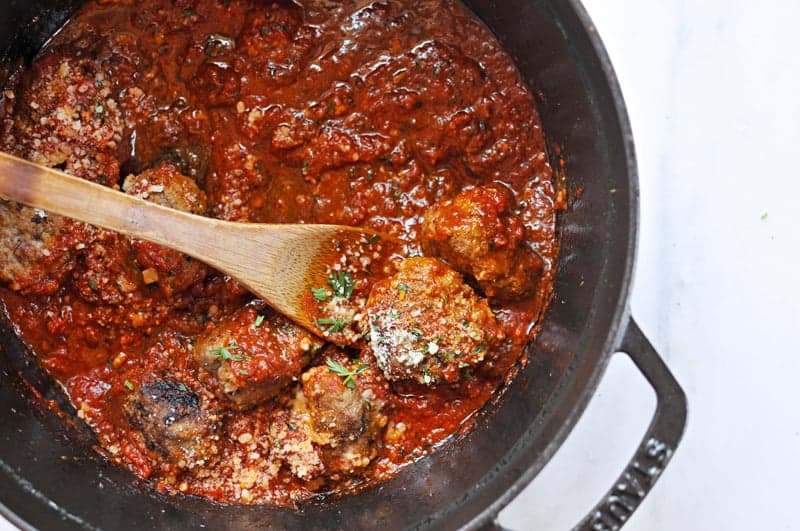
(354, 113)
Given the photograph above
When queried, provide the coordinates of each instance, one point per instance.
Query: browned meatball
(334, 419)
(342, 402)
(37, 249)
(254, 354)
(166, 186)
(476, 234)
(170, 421)
(427, 325)
(66, 116)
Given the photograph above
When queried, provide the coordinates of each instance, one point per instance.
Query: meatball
(343, 402)
(166, 186)
(427, 325)
(254, 354)
(170, 421)
(36, 248)
(67, 116)
(476, 234)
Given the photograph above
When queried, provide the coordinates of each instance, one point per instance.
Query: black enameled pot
(51, 479)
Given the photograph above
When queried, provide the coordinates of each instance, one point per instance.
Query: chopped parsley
(226, 353)
(182, 387)
(402, 287)
(348, 375)
(92, 284)
(189, 12)
(259, 321)
(334, 325)
(291, 426)
(321, 294)
(373, 239)
(483, 346)
(128, 385)
(342, 284)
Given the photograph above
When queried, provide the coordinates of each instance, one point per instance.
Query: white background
(713, 92)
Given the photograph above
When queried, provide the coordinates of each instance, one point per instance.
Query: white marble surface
(713, 91)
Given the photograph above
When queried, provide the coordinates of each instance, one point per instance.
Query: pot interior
(50, 476)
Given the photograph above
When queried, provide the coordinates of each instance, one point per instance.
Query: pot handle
(659, 442)
(657, 446)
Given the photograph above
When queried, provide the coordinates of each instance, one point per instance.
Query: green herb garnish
(128, 385)
(291, 426)
(321, 294)
(182, 387)
(348, 375)
(259, 321)
(189, 12)
(226, 353)
(334, 325)
(402, 287)
(373, 239)
(92, 284)
(342, 284)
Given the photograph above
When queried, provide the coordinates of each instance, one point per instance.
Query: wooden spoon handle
(59, 193)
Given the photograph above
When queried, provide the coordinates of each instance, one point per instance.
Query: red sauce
(352, 113)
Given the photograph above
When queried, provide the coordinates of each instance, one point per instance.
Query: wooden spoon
(274, 261)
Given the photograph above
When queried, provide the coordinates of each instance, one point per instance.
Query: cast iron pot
(50, 478)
